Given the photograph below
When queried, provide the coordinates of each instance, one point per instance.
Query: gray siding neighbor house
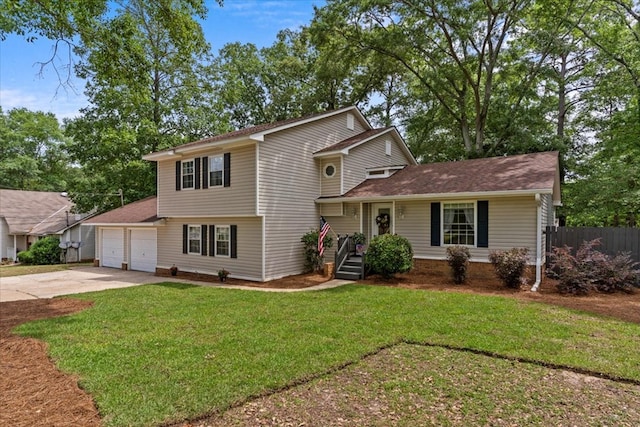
(241, 201)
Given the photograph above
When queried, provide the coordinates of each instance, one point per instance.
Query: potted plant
(173, 270)
(222, 275)
(359, 239)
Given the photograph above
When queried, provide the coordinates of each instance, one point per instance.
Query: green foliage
(458, 260)
(389, 254)
(591, 270)
(359, 238)
(118, 345)
(31, 151)
(510, 266)
(44, 251)
(312, 259)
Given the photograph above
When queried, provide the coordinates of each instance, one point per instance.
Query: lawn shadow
(175, 285)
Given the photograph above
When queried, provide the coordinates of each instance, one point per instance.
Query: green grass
(21, 270)
(163, 352)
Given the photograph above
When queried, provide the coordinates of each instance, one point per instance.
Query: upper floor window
(387, 148)
(329, 170)
(459, 223)
(188, 174)
(194, 239)
(216, 171)
(223, 240)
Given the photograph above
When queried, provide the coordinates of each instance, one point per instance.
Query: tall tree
(31, 154)
(143, 81)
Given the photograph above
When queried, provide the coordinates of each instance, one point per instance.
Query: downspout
(535, 286)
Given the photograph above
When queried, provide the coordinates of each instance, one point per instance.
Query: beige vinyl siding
(238, 199)
(332, 209)
(288, 188)
(248, 265)
(330, 186)
(512, 223)
(371, 154)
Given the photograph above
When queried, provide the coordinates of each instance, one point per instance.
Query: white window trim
(387, 148)
(324, 170)
(215, 246)
(475, 221)
(189, 239)
(211, 158)
(182, 174)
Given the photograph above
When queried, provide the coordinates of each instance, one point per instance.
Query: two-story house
(241, 201)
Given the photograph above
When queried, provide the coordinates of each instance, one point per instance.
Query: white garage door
(144, 250)
(112, 247)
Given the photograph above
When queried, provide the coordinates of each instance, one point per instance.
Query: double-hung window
(194, 239)
(188, 174)
(216, 171)
(223, 240)
(458, 224)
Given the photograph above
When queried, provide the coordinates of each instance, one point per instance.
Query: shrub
(42, 252)
(25, 257)
(458, 260)
(510, 266)
(312, 259)
(591, 270)
(389, 254)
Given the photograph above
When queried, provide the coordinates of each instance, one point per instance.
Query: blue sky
(245, 21)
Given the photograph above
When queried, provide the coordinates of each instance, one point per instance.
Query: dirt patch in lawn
(34, 393)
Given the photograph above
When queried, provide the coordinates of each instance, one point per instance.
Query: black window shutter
(178, 175)
(227, 169)
(196, 174)
(203, 245)
(212, 240)
(234, 241)
(205, 172)
(185, 238)
(483, 223)
(435, 224)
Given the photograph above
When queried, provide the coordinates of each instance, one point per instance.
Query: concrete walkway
(90, 279)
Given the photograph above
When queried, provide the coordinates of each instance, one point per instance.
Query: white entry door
(144, 250)
(112, 247)
(381, 218)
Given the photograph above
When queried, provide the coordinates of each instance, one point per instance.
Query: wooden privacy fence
(612, 239)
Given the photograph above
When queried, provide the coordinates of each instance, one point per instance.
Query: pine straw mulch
(34, 393)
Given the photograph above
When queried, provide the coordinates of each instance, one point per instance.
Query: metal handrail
(344, 244)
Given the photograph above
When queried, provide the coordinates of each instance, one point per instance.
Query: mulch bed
(34, 393)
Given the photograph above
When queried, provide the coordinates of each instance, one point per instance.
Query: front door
(381, 218)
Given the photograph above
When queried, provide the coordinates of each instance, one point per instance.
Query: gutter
(536, 285)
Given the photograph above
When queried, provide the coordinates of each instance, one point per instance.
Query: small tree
(510, 266)
(389, 254)
(312, 259)
(458, 260)
(42, 252)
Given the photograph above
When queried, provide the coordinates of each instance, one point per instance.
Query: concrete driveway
(88, 279)
(73, 281)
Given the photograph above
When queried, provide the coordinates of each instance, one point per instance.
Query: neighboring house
(26, 216)
(126, 236)
(242, 200)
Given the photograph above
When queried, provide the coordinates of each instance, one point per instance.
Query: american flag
(324, 229)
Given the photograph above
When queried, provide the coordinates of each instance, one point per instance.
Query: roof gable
(536, 172)
(254, 133)
(36, 212)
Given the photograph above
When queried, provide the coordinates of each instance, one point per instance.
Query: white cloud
(63, 104)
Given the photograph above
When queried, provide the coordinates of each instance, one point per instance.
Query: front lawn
(164, 352)
(22, 270)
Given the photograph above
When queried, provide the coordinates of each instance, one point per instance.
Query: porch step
(351, 269)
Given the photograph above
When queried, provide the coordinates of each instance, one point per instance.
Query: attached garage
(127, 236)
(144, 250)
(112, 247)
